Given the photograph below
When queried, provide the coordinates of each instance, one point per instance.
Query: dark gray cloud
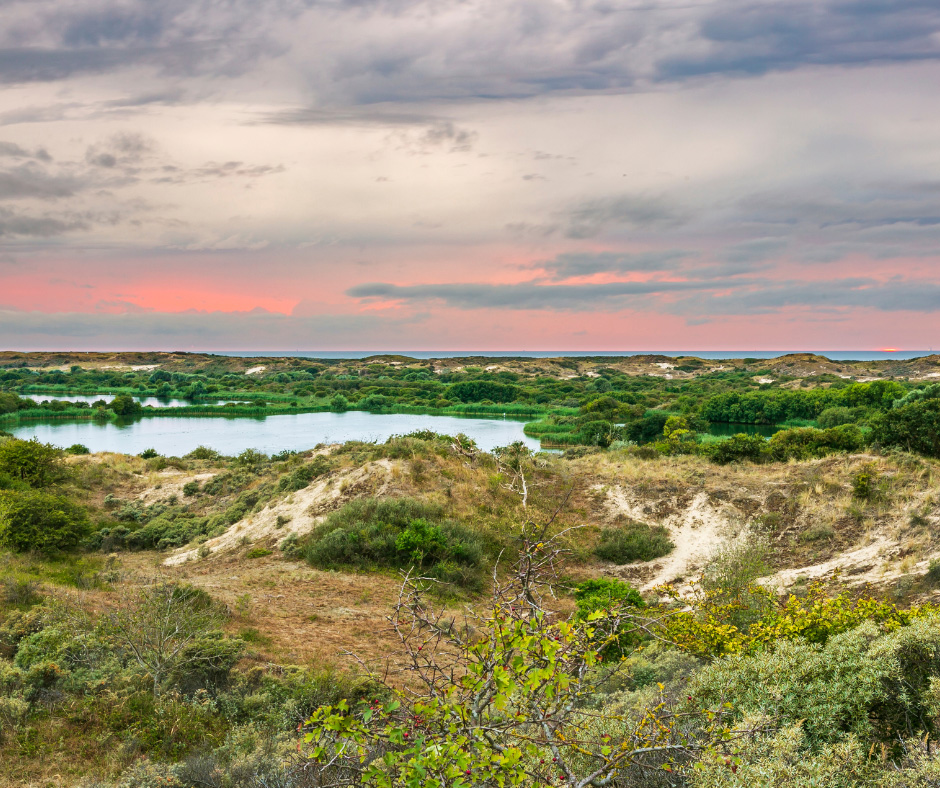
(170, 173)
(737, 296)
(755, 38)
(890, 296)
(528, 295)
(46, 226)
(14, 151)
(32, 181)
(361, 53)
(572, 264)
(125, 326)
(592, 217)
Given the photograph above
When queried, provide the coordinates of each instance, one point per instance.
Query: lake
(176, 436)
(153, 402)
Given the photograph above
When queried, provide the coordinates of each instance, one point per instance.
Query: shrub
(191, 488)
(149, 454)
(251, 460)
(862, 682)
(37, 464)
(737, 448)
(302, 476)
(817, 533)
(914, 427)
(803, 443)
(39, 521)
(258, 552)
(834, 417)
(78, 448)
(636, 542)
(203, 453)
(398, 532)
(932, 575)
(609, 596)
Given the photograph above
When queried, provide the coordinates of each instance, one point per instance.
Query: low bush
(634, 542)
(737, 448)
(34, 520)
(610, 596)
(804, 443)
(397, 532)
(301, 477)
(203, 453)
(38, 464)
(876, 686)
(78, 448)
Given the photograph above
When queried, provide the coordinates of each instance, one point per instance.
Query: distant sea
(834, 355)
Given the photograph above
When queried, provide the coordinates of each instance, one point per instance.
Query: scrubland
(781, 631)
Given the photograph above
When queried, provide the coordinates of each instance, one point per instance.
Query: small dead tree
(158, 624)
(513, 463)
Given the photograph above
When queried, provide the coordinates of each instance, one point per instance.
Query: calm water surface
(153, 402)
(176, 436)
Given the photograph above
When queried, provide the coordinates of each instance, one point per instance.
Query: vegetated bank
(575, 402)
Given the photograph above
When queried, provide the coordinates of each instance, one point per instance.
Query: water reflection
(177, 435)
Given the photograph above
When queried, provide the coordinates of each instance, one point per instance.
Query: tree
(37, 464)
(34, 520)
(160, 627)
(498, 699)
(914, 427)
(125, 405)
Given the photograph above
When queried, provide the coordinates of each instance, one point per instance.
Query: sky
(469, 174)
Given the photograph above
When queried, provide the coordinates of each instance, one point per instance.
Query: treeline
(777, 406)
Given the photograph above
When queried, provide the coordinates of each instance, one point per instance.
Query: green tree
(914, 427)
(125, 405)
(38, 464)
(34, 520)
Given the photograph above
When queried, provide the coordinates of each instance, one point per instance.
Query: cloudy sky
(469, 174)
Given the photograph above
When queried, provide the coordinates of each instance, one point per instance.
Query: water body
(176, 436)
(833, 355)
(153, 402)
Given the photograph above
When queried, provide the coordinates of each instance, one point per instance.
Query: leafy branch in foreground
(504, 697)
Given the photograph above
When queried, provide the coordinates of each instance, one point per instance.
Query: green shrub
(817, 533)
(125, 405)
(191, 488)
(203, 453)
(803, 443)
(258, 552)
(250, 460)
(397, 532)
(38, 521)
(862, 682)
(835, 417)
(635, 542)
(914, 427)
(737, 448)
(613, 596)
(78, 448)
(301, 477)
(932, 575)
(149, 454)
(37, 464)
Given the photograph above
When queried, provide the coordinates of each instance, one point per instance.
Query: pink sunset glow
(363, 177)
